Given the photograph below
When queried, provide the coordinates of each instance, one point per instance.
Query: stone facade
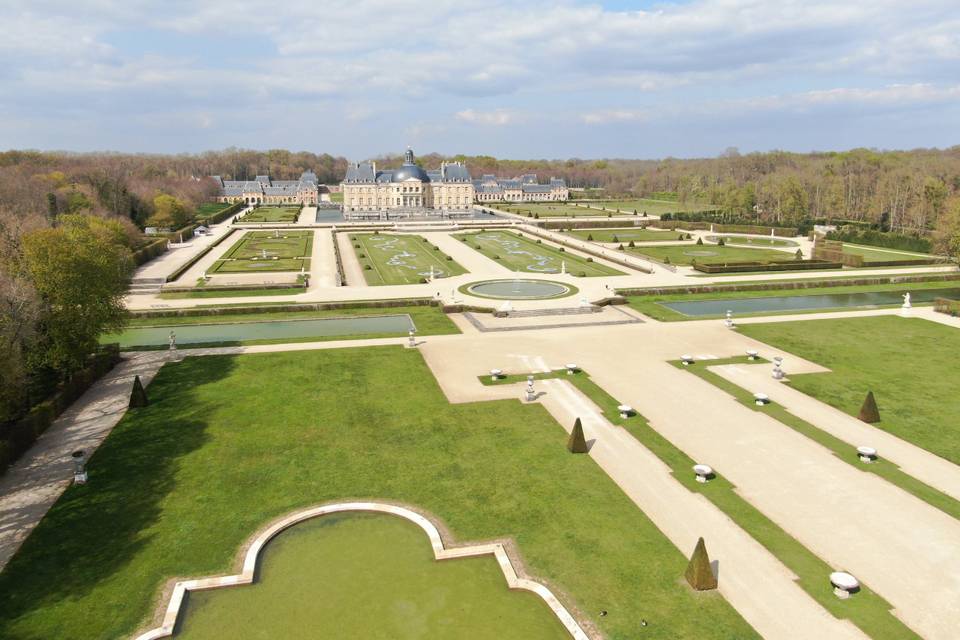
(263, 190)
(407, 189)
(526, 188)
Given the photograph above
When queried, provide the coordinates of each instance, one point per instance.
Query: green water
(367, 576)
(269, 330)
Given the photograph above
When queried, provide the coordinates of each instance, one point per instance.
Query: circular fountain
(519, 289)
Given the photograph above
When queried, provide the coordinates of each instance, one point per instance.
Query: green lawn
(748, 241)
(684, 254)
(634, 234)
(877, 254)
(519, 253)
(400, 259)
(230, 442)
(268, 251)
(868, 610)
(909, 364)
(336, 196)
(652, 207)
(272, 214)
(208, 209)
(650, 305)
(553, 210)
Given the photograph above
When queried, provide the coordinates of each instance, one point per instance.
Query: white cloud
(607, 116)
(497, 117)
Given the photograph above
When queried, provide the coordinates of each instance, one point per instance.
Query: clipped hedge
(179, 271)
(16, 437)
(777, 265)
(277, 308)
(947, 306)
(150, 251)
(874, 238)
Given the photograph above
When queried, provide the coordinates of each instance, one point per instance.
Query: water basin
(519, 289)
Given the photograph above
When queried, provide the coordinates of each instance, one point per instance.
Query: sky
(530, 79)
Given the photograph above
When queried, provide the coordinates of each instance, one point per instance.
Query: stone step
(147, 281)
(562, 311)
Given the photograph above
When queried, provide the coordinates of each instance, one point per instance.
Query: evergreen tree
(138, 395)
(699, 572)
(869, 411)
(577, 443)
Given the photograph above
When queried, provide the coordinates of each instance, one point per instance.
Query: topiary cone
(577, 443)
(138, 395)
(699, 572)
(869, 411)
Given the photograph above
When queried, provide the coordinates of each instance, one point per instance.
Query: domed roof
(410, 169)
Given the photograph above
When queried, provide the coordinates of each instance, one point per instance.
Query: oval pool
(519, 289)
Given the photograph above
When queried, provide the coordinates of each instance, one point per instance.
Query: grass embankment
(754, 241)
(878, 254)
(867, 610)
(519, 253)
(231, 293)
(653, 207)
(388, 259)
(623, 235)
(230, 443)
(909, 364)
(558, 210)
(685, 254)
(651, 307)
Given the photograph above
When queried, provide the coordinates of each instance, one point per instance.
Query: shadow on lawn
(96, 529)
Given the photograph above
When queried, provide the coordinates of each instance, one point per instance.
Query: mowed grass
(268, 251)
(272, 214)
(400, 259)
(651, 206)
(909, 364)
(685, 254)
(518, 253)
(552, 210)
(877, 254)
(208, 209)
(634, 234)
(754, 241)
(868, 610)
(230, 442)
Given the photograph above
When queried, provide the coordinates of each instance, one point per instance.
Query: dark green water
(207, 333)
(806, 303)
(354, 576)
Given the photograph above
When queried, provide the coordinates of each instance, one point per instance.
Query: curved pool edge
(569, 289)
(515, 579)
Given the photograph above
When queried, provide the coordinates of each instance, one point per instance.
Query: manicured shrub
(614, 238)
(577, 443)
(699, 573)
(590, 237)
(496, 257)
(799, 254)
(620, 247)
(582, 274)
(562, 250)
(631, 244)
(700, 241)
(363, 255)
(367, 267)
(869, 412)
(721, 242)
(666, 260)
(589, 259)
(356, 246)
(138, 395)
(449, 258)
(539, 241)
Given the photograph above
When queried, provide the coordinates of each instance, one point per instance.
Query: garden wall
(779, 265)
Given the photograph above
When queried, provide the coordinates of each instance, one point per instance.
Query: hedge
(16, 437)
(179, 271)
(776, 265)
(873, 238)
(945, 305)
(592, 224)
(150, 251)
(773, 286)
(303, 306)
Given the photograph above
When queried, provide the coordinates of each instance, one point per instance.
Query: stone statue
(906, 301)
(173, 341)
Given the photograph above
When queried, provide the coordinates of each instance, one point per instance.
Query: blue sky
(516, 80)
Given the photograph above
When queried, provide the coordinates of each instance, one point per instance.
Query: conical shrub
(869, 411)
(577, 443)
(138, 395)
(699, 572)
